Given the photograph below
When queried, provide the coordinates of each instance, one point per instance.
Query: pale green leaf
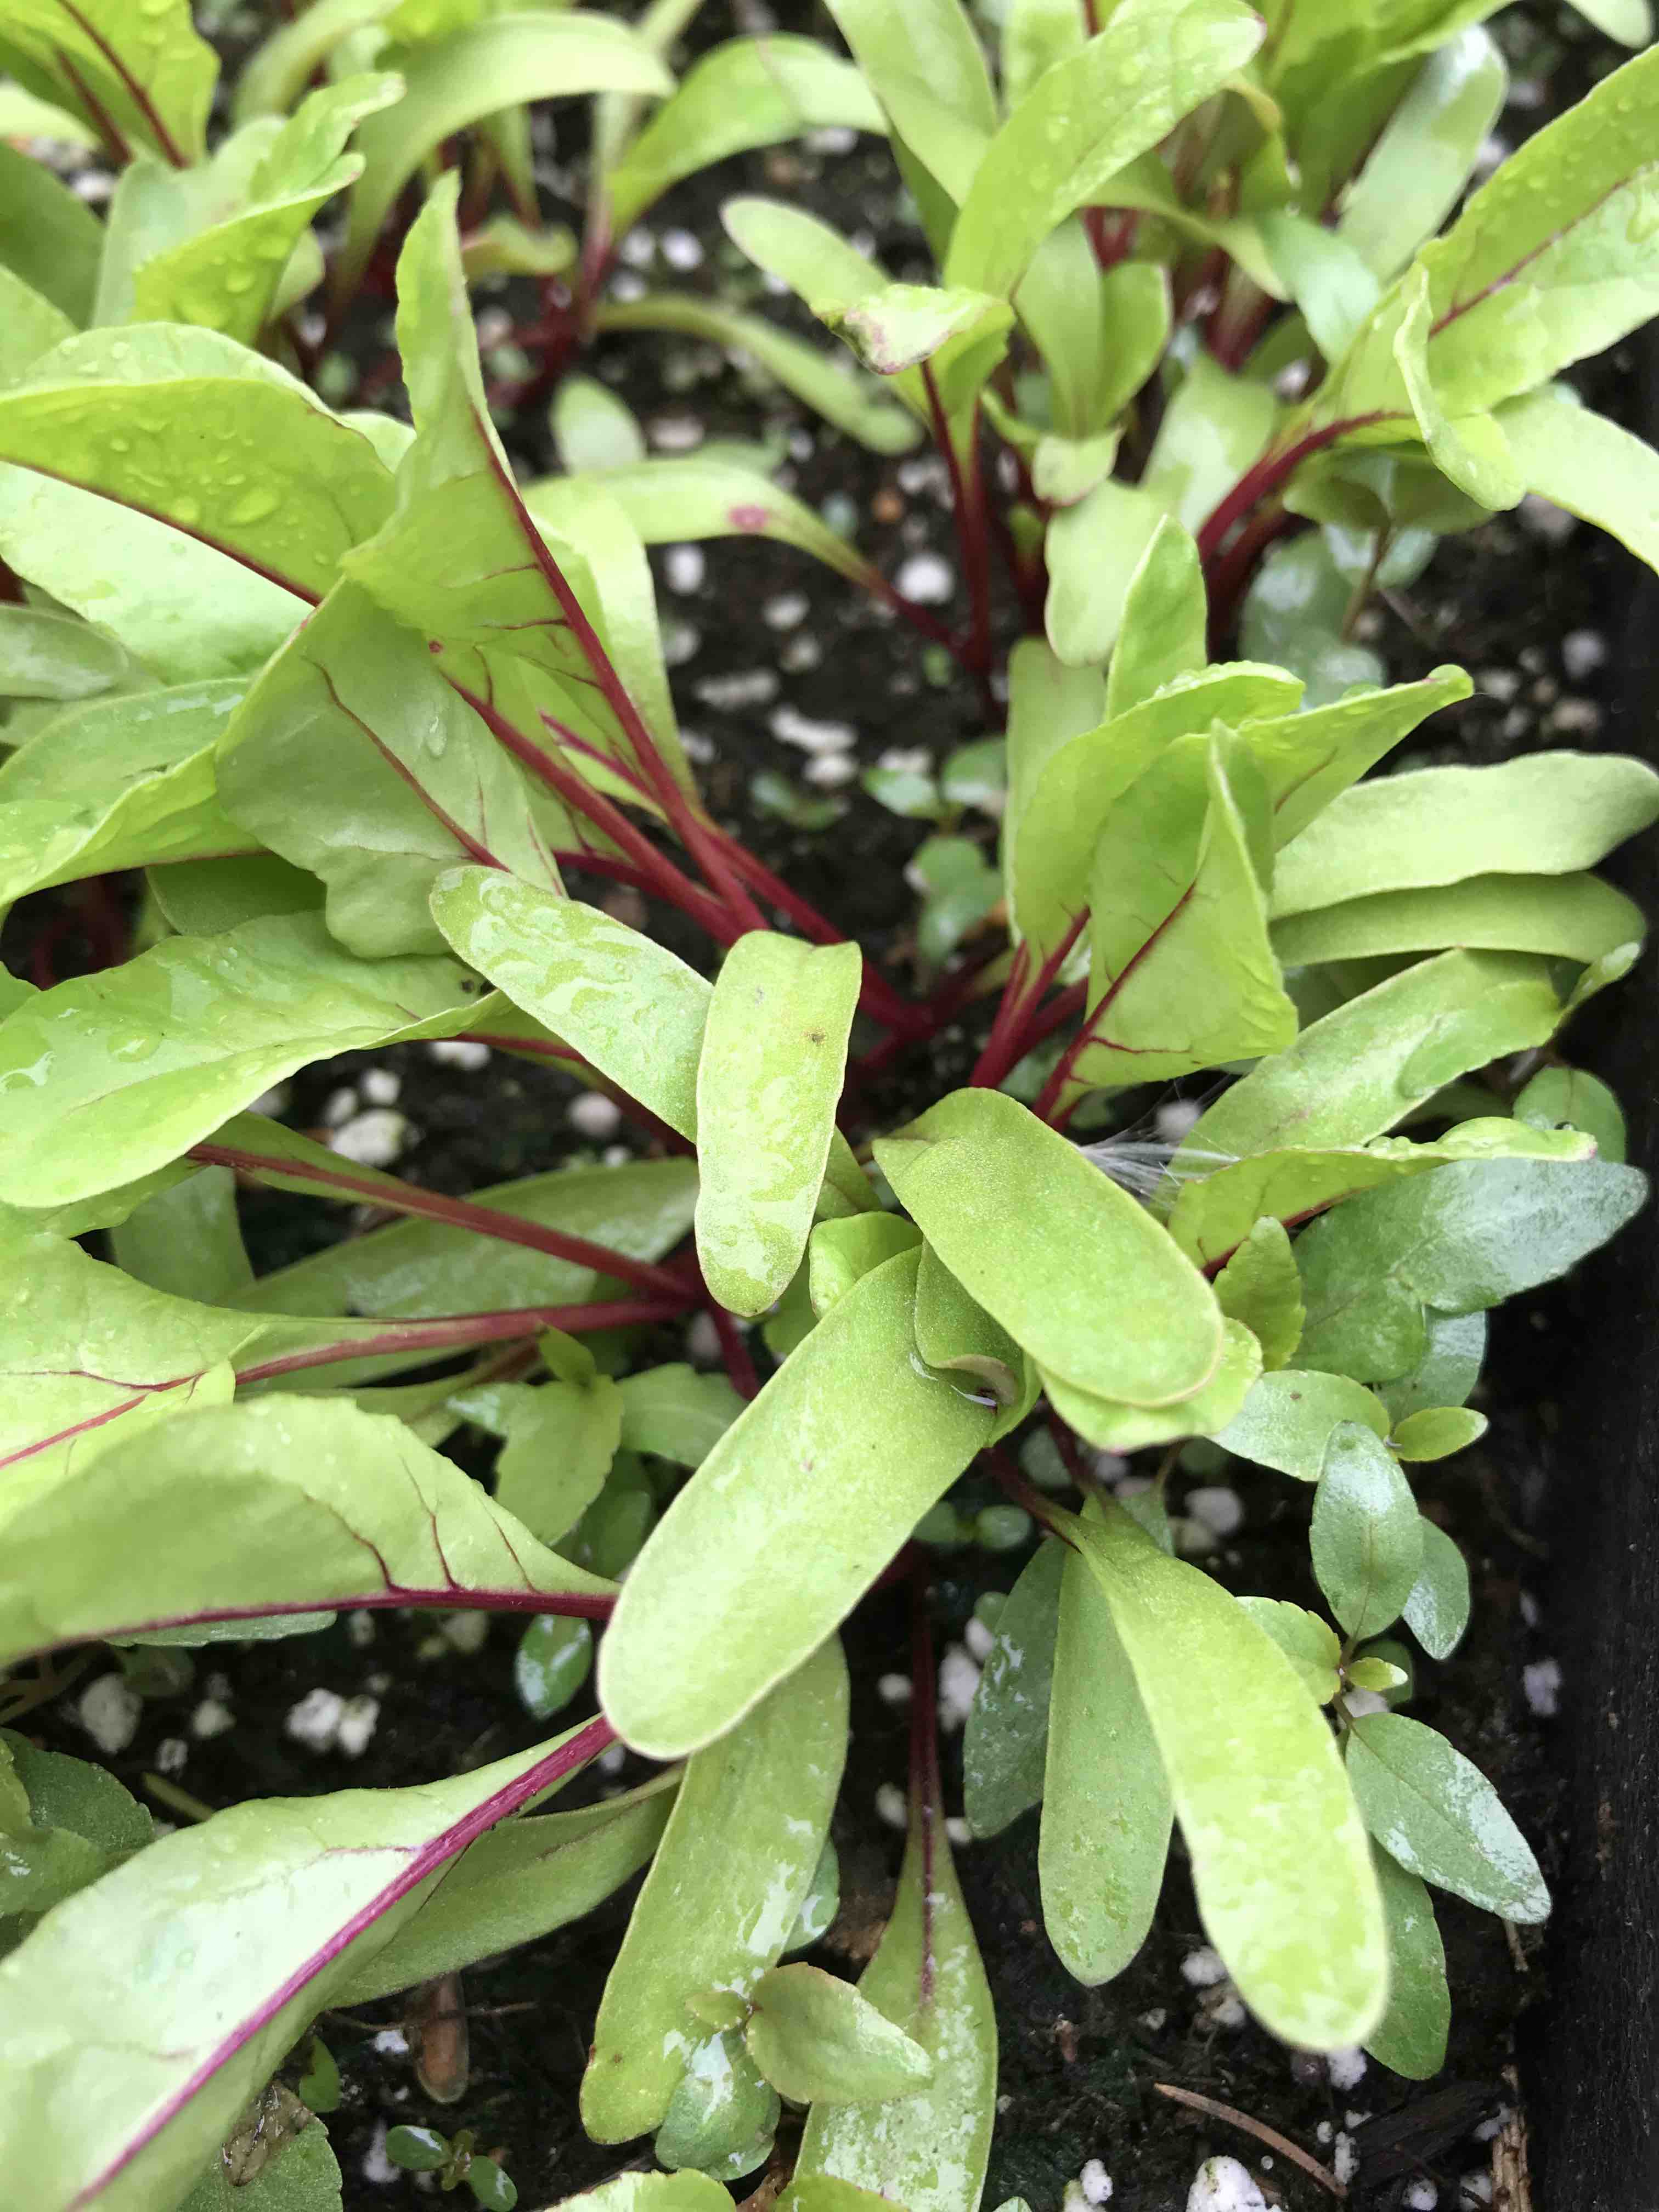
(1437, 1432)
(1437, 1611)
(1568, 917)
(676, 1414)
(185, 1239)
(1093, 551)
(1004, 1743)
(145, 67)
(52, 656)
(1312, 1645)
(1164, 614)
(32, 326)
(48, 235)
(1367, 1536)
(277, 71)
(1418, 169)
(1215, 427)
(723, 2111)
(954, 1334)
(841, 1253)
(1410, 2039)
(1260, 1287)
(1566, 1098)
(1593, 468)
(787, 1522)
(924, 64)
(817, 2041)
(551, 1663)
(1437, 1814)
(731, 1871)
(1116, 1426)
(594, 427)
(1288, 1420)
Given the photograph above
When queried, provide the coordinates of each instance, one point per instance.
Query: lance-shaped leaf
(185, 1239)
(1106, 1806)
(256, 467)
(111, 1075)
(1071, 1265)
(1549, 261)
(1312, 1645)
(1436, 1813)
(818, 2041)
(123, 783)
(1438, 1431)
(1004, 1743)
(827, 382)
(188, 613)
(927, 68)
(33, 326)
(1548, 814)
(234, 275)
(627, 1005)
(1570, 917)
(1279, 1857)
(1465, 1238)
(1260, 1287)
(676, 1414)
(283, 1505)
(1419, 167)
(1048, 704)
(423, 1268)
(1117, 1426)
(787, 1522)
(1360, 1070)
(670, 500)
(1437, 1607)
(733, 1869)
(1082, 120)
(1591, 466)
(48, 235)
(928, 2151)
(1164, 614)
(1448, 1370)
(1051, 838)
(1093, 550)
(500, 63)
(1214, 1212)
(769, 1078)
(146, 70)
(149, 2007)
(1327, 279)
(559, 1440)
(1367, 1535)
(1309, 759)
(277, 71)
(52, 656)
(354, 704)
(1215, 426)
(841, 1253)
(517, 1885)
(1289, 1418)
(1181, 974)
(1410, 2039)
(1100, 333)
(1469, 450)
(746, 93)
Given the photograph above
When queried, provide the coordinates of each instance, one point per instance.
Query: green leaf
(1437, 1611)
(257, 468)
(1005, 1742)
(258, 1916)
(280, 1505)
(48, 235)
(1062, 793)
(1467, 1237)
(1326, 276)
(650, 2192)
(1591, 466)
(145, 1060)
(1437, 1432)
(120, 783)
(1312, 1645)
(954, 1334)
(1034, 34)
(560, 1439)
(1260, 1287)
(768, 1081)
(1300, 1928)
(1214, 1212)
(594, 427)
(189, 614)
(1082, 120)
(1119, 1427)
(1289, 1419)
(1437, 1814)
(1375, 1059)
(33, 326)
(1566, 1098)
(722, 2109)
(817, 2041)
(503, 61)
(787, 1522)
(277, 71)
(841, 1253)
(1448, 1370)
(1417, 170)
(52, 656)
(185, 1239)
(1549, 261)
(1164, 615)
(1101, 333)
(355, 704)
(927, 68)
(1572, 917)
(1367, 1533)
(148, 71)
(676, 1414)
(1181, 975)
(1548, 814)
(1215, 425)
(1410, 2039)
(745, 92)
(1106, 1806)
(551, 1664)
(928, 2151)
(735, 1866)
(418, 2150)
(423, 1268)
(671, 501)
(234, 275)
(1129, 1317)
(1093, 551)
(828, 384)
(1048, 704)
(1309, 759)
(302, 2173)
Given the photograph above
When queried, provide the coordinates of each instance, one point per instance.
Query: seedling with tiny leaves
(384, 729)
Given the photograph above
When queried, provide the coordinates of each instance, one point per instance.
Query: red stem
(455, 1333)
(115, 144)
(407, 1198)
(734, 1352)
(967, 503)
(140, 99)
(925, 1809)
(1012, 1032)
(1265, 477)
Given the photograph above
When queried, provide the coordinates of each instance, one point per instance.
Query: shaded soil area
(1530, 607)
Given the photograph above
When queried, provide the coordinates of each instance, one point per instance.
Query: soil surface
(1529, 605)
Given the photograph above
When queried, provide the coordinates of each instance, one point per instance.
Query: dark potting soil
(1526, 605)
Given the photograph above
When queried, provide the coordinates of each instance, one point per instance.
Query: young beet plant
(365, 712)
